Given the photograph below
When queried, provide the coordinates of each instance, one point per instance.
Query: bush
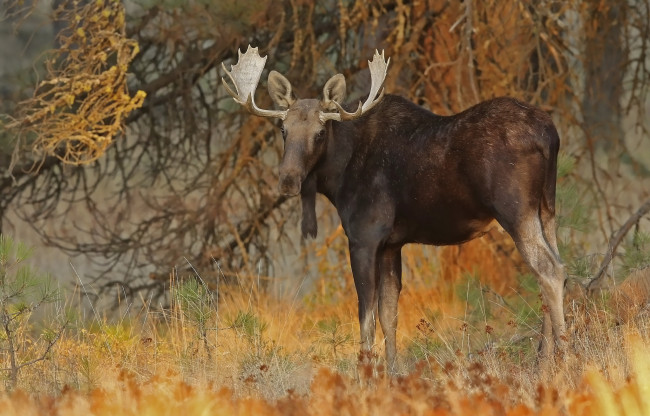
(22, 292)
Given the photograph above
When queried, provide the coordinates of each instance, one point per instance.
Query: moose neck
(328, 172)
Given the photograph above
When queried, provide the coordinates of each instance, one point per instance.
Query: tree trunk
(603, 61)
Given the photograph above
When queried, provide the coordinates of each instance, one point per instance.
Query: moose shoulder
(399, 174)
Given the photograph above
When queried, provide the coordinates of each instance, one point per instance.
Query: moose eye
(284, 132)
(320, 135)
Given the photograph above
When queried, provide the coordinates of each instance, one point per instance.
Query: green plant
(250, 326)
(525, 304)
(332, 334)
(195, 302)
(637, 252)
(22, 291)
(470, 291)
(571, 210)
(582, 267)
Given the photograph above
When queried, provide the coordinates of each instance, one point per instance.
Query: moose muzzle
(290, 181)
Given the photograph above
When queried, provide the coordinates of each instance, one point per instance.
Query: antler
(245, 75)
(377, 67)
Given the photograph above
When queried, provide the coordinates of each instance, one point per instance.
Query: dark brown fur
(400, 174)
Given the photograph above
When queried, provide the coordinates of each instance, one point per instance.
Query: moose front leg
(363, 262)
(309, 226)
(390, 285)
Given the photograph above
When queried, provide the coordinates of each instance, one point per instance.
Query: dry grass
(256, 354)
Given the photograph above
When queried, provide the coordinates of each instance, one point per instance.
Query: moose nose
(289, 183)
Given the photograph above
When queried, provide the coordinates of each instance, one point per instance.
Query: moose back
(399, 174)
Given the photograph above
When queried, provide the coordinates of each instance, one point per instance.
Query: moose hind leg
(390, 285)
(545, 348)
(545, 263)
(549, 227)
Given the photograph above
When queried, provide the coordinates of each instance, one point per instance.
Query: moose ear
(280, 90)
(334, 90)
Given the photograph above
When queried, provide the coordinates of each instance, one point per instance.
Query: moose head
(304, 121)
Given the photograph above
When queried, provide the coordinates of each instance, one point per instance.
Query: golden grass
(131, 382)
(267, 356)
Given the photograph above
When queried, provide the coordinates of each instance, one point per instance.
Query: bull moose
(399, 174)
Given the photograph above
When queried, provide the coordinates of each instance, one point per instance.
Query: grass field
(466, 344)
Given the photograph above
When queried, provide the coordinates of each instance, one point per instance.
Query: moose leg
(544, 261)
(363, 262)
(545, 343)
(548, 225)
(390, 285)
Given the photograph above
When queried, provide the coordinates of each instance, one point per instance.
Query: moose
(399, 174)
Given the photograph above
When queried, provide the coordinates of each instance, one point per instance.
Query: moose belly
(439, 230)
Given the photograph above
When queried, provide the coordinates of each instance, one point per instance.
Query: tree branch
(598, 280)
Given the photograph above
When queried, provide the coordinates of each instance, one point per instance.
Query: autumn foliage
(81, 107)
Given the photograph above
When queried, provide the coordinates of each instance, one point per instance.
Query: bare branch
(598, 281)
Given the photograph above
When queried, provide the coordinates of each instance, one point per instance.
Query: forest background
(152, 198)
